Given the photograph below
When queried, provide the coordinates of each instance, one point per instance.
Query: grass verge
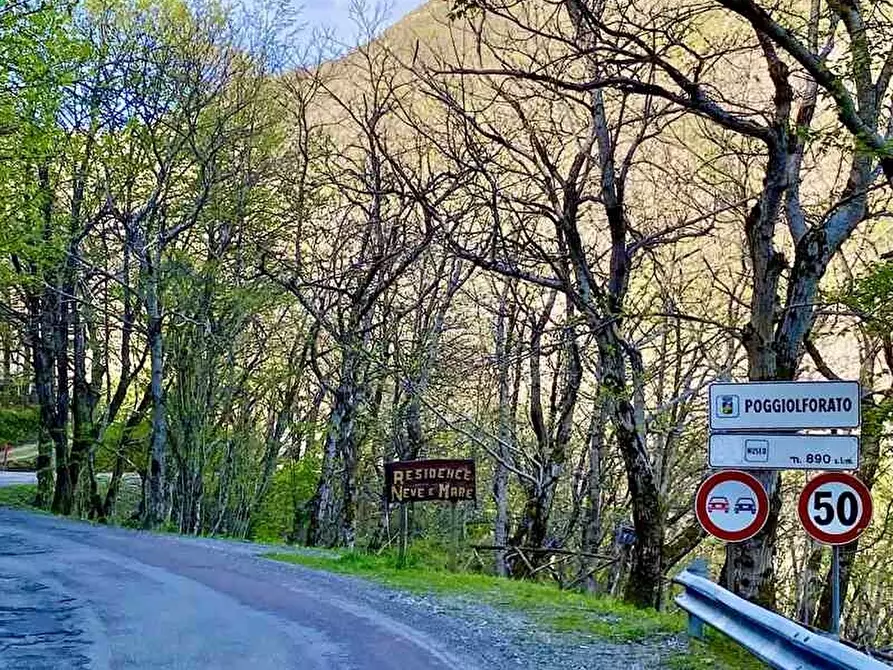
(564, 611)
(717, 651)
(20, 496)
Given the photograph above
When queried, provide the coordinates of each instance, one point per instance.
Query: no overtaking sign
(732, 505)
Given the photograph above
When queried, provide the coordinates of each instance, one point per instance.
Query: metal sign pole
(835, 591)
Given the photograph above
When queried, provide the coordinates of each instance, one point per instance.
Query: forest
(243, 266)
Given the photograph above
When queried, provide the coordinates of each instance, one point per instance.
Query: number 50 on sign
(835, 508)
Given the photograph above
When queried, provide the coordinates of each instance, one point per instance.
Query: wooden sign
(451, 480)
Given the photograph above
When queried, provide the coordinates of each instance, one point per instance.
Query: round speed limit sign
(835, 508)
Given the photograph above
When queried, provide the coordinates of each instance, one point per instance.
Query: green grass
(20, 496)
(717, 651)
(561, 610)
(564, 611)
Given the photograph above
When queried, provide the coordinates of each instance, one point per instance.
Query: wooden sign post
(454, 532)
(404, 536)
(448, 480)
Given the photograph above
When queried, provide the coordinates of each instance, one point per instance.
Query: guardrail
(772, 638)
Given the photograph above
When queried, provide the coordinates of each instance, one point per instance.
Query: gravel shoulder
(74, 595)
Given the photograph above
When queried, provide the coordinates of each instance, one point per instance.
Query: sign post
(454, 536)
(404, 536)
(448, 480)
(754, 426)
(835, 508)
(835, 591)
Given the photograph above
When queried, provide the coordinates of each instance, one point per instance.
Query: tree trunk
(154, 513)
(133, 421)
(83, 401)
(605, 317)
(300, 509)
(6, 348)
(427, 359)
(107, 506)
(533, 527)
(224, 488)
(592, 526)
(41, 352)
(531, 530)
(331, 521)
(500, 523)
(282, 420)
(643, 588)
(322, 506)
(63, 494)
(41, 307)
(415, 433)
(553, 440)
(808, 578)
(501, 471)
(350, 463)
(749, 569)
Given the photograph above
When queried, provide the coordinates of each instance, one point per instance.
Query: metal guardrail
(772, 638)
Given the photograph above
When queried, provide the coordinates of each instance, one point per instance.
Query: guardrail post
(780, 643)
(696, 625)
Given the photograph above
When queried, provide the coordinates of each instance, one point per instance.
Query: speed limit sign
(835, 508)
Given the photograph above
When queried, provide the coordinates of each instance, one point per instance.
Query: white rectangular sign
(784, 452)
(784, 405)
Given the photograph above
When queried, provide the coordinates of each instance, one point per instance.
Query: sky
(335, 15)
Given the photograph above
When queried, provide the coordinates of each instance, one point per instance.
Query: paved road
(77, 596)
(12, 478)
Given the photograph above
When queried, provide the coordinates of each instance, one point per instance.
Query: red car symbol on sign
(718, 503)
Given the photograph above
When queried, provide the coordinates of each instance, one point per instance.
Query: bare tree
(637, 45)
(365, 236)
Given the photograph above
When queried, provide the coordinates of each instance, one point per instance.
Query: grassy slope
(20, 496)
(563, 611)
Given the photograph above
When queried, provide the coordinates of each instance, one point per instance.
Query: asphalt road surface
(12, 478)
(77, 596)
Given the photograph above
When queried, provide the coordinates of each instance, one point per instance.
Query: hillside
(530, 238)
